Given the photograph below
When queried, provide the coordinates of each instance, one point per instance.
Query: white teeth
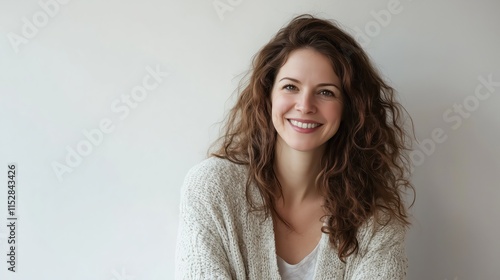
(304, 125)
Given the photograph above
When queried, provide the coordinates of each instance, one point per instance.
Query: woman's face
(306, 101)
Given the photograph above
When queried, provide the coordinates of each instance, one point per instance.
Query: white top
(303, 270)
(219, 238)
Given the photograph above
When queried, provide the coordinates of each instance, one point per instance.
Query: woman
(307, 180)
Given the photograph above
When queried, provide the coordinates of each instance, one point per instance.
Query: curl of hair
(365, 166)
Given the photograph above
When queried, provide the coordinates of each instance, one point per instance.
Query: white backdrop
(105, 105)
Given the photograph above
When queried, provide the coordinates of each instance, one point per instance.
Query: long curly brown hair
(365, 166)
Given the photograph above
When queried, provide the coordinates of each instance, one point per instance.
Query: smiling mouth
(304, 125)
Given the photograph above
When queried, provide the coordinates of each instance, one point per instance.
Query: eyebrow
(321, 85)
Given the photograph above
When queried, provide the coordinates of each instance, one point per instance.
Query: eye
(326, 92)
(289, 87)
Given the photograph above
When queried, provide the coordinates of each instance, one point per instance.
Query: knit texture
(219, 238)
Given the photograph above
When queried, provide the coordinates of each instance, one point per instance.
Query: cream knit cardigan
(219, 238)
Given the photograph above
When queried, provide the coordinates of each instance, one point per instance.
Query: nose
(305, 103)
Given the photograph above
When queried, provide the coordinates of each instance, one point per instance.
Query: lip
(303, 130)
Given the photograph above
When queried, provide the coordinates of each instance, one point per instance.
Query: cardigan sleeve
(382, 253)
(200, 252)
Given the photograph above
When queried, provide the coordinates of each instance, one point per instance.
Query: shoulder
(213, 178)
(215, 170)
(385, 232)
(381, 253)
(215, 166)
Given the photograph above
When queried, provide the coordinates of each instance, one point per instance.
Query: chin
(303, 147)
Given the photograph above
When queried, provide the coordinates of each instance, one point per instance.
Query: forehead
(308, 64)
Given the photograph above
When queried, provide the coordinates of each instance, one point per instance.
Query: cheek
(335, 112)
(279, 111)
(276, 107)
(274, 111)
(281, 105)
(277, 117)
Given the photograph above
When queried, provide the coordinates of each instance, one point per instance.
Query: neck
(297, 171)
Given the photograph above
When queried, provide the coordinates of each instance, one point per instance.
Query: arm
(382, 253)
(200, 253)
